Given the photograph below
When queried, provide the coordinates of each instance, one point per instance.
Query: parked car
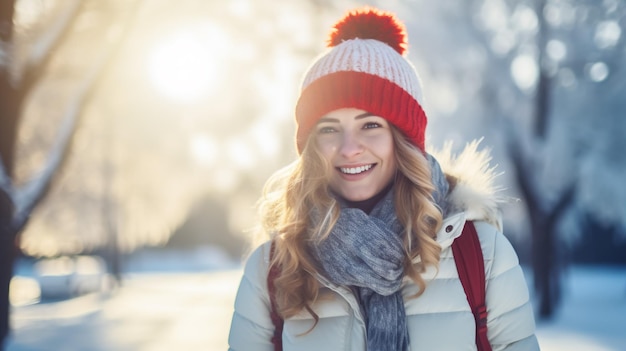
(66, 276)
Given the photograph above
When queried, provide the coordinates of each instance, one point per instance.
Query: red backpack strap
(277, 338)
(468, 256)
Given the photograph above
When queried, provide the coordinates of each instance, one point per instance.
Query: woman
(362, 222)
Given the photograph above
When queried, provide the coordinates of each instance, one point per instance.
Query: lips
(357, 169)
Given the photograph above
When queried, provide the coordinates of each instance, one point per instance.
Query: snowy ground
(593, 314)
(176, 310)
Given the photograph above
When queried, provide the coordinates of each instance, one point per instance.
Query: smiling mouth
(356, 170)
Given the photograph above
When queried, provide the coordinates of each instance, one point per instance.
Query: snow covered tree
(562, 147)
(541, 80)
(15, 85)
(31, 35)
(125, 177)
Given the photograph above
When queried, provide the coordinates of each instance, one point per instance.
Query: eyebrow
(335, 120)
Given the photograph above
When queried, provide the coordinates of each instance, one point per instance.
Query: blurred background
(136, 135)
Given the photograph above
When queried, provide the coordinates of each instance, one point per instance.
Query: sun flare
(185, 66)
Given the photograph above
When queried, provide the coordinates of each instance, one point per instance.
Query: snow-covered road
(151, 312)
(192, 311)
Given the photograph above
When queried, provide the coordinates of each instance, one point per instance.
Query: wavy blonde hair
(294, 193)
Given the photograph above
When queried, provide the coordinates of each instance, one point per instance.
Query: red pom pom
(369, 23)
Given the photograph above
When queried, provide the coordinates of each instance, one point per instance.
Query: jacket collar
(475, 196)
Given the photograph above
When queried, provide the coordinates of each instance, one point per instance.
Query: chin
(358, 196)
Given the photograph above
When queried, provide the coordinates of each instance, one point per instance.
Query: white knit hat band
(367, 56)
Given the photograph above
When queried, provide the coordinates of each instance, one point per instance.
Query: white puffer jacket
(440, 319)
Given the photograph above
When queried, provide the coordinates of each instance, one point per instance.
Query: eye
(326, 130)
(370, 125)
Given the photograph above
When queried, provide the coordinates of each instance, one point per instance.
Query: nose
(350, 145)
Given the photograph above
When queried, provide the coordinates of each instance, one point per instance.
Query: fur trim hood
(474, 192)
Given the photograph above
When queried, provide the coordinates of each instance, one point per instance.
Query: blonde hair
(293, 194)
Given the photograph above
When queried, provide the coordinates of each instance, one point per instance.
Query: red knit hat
(364, 68)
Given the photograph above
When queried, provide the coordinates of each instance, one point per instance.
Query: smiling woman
(184, 66)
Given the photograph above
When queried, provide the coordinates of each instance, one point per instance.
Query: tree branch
(27, 196)
(566, 199)
(31, 193)
(6, 184)
(7, 101)
(543, 89)
(523, 171)
(44, 48)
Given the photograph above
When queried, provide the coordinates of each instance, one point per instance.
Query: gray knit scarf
(365, 252)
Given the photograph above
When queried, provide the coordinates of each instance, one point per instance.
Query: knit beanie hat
(364, 68)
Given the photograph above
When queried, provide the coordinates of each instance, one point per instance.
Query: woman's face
(360, 148)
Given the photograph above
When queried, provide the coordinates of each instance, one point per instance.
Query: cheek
(326, 148)
(385, 148)
(388, 156)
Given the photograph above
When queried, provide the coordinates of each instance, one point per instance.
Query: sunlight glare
(524, 71)
(525, 19)
(598, 71)
(266, 139)
(277, 85)
(27, 13)
(556, 49)
(607, 34)
(225, 180)
(493, 14)
(240, 154)
(184, 66)
(241, 8)
(204, 149)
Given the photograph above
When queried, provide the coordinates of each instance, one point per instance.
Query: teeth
(355, 170)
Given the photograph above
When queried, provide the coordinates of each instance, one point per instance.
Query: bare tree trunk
(544, 254)
(9, 104)
(9, 111)
(13, 90)
(7, 252)
(543, 92)
(544, 219)
(544, 263)
(17, 204)
(112, 251)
